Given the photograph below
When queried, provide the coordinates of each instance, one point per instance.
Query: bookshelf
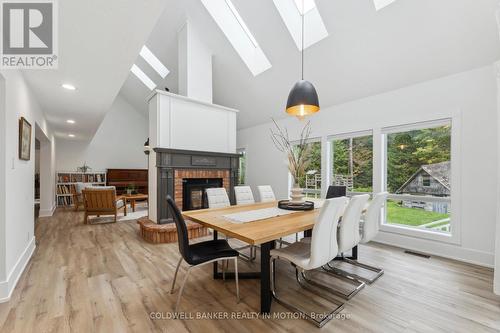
(66, 179)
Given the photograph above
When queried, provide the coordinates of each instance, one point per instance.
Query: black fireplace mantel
(168, 160)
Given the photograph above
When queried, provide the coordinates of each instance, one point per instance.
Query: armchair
(102, 200)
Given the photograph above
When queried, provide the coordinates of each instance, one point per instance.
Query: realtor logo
(29, 39)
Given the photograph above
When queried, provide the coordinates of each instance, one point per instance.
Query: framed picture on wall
(24, 139)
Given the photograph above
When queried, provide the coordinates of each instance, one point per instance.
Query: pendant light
(303, 99)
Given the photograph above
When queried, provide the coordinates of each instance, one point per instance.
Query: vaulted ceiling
(98, 42)
(366, 52)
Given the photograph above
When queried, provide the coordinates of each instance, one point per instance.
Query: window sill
(420, 233)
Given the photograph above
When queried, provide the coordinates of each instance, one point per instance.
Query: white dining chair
(266, 193)
(313, 255)
(348, 237)
(217, 197)
(369, 229)
(244, 195)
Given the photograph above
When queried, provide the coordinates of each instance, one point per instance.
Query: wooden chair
(102, 200)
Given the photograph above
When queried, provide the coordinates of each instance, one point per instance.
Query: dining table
(264, 232)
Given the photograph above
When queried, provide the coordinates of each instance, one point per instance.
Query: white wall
(471, 94)
(118, 143)
(3, 189)
(497, 249)
(47, 177)
(18, 214)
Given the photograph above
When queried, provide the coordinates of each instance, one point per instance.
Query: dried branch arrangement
(297, 152)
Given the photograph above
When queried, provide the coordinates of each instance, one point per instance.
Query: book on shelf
(67, 179)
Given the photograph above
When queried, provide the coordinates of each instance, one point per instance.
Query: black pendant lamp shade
(302, 100)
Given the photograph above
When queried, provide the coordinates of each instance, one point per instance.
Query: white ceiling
(366, 53)
(98, 43)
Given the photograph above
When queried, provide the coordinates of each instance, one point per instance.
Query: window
(426, 180)
(242, 166)
(154, 62)
(418, 176)
(291, 13)
(239, 35)
(352, 162)
(311, 181)
(381, 4)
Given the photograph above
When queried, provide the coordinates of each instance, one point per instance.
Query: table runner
(263, 214)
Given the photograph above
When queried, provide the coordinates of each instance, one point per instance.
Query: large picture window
(352, 162)
(418, 176)
(311, 181)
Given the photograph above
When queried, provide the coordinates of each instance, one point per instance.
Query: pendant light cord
(302, 53)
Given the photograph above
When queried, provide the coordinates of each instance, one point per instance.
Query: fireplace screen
(193, 192)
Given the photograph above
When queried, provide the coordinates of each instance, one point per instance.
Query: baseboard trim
(48, 212)
(8, 286)
(445, 250)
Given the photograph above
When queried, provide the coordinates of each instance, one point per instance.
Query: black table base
(265, 271)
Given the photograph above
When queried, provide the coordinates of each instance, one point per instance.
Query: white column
(195, 65)
(326, 163)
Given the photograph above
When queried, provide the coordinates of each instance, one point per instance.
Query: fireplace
(180, 172)
(194, 195)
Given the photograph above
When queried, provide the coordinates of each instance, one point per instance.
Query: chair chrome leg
(236, 279)
(182, 289)
(358, 285)
(225, 261)
(339, 271)
(175, 275)
(318, 323)
(377, 270)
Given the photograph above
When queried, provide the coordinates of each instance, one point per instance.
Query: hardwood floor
(104, 278)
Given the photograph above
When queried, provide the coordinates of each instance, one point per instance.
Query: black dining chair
(200, 253)
(335, 191)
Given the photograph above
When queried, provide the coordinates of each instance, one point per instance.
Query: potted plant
(131, 189)
(297, 155)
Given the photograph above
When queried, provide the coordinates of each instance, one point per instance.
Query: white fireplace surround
(180, 122)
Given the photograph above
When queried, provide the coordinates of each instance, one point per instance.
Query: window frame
(454, 236)
(310, 140)
(244, 151)
(344, 136)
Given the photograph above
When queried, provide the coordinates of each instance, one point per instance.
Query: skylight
(291, 14)
(154, 62)
(380, 4)
(143, 77)
(239, 35)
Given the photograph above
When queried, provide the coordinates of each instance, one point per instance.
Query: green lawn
(396, 214)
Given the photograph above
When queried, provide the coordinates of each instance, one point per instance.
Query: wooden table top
(256, 232)
(135, 196)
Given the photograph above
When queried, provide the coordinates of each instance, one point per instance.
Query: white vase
(297, 195)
